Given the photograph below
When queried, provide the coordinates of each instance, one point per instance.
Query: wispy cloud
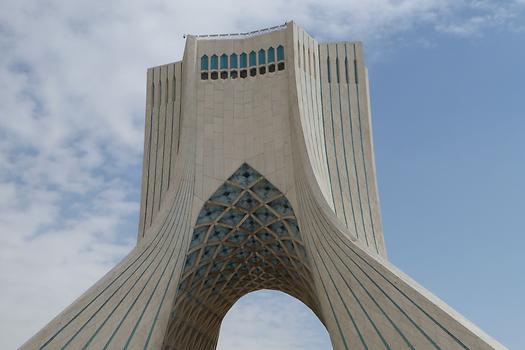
(292, 325)
(72, 77)
(477, 16)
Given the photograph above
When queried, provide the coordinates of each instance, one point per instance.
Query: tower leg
(367, 303)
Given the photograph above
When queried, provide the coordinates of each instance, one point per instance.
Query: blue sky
(448, 111)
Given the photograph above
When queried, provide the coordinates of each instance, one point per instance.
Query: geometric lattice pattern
(246, 238)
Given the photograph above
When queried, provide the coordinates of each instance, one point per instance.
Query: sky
(447, 95)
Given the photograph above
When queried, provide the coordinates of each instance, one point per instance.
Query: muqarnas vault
(258, 174)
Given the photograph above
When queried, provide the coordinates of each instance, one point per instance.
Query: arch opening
(270, 319)
(246, 238)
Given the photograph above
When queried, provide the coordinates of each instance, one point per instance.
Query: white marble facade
(258, 176)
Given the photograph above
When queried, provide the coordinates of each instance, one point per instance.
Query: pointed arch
(246, 238)
(204, 62)
(214, 62)
(224, 61)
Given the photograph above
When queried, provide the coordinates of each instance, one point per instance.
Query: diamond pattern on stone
(236, 237)
(226, 194)
(190, 259)
(247, 202)
(241, 254)
(200, 272)
(265, 215)
(252, 243)
(282, 206)
(245, 176)
(265, 235)
(217, 233)
(208, 252)
(294, 227)
(265, 190)
(277, 247)
(280, 228)
(232, 217)
(209, 213)
(289, 245)
(225, 251)
(216, 266)
(229, 245)
(250, 224)
(198, 235)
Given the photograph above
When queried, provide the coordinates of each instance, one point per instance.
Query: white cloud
(482, 15)
(272, 320)
(72, 77)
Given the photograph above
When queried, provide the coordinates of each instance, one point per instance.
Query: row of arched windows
(247, 63)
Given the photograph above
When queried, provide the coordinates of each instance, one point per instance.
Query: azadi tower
(258, 174)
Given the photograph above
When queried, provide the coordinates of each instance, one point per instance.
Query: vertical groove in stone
(331, 140)
(153, 149)
(177, 105)
(168, 131)
(344, 145)
(364, 130)
(161, 133)
(323, 122)
(146, 158)
(161, 139)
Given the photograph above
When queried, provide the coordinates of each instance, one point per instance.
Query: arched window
(233, 61)
(253, 59)
(204, 62)
(224, 61)
(214, 62)
(271, 55)
(262, 57)
(243, 60)
(280, 53)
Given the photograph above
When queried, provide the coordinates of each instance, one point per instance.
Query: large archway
(246, 238)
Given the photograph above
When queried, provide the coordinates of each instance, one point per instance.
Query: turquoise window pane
(224, 61)
(262, 57)
(214, 62)
(204, 62)
(280, 53)
(271, 55)
(253, 59)
(233, 60)
(243, 60)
